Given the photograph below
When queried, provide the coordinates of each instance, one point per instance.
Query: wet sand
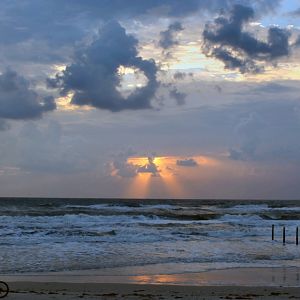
(247, 283)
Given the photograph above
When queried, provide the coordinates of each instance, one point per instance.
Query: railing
(284, 234)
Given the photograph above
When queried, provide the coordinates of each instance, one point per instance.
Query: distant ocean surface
(43, 235)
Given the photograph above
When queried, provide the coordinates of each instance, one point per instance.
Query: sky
(150, 99)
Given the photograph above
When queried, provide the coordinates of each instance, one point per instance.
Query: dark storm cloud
(49, 25)
(48, 31)
(168, 37)
(187, 162)
(94, 78)
(227, 40)
(178, 96)
(171, 8)
(18, 101)
(231, 62)
(64, 21)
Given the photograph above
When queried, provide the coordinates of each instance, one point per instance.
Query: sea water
(45, 235)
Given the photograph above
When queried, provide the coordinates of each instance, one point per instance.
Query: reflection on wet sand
(286, 277)
(239, 276)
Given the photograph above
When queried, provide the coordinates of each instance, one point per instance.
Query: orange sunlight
(163, 172)
(139, 186)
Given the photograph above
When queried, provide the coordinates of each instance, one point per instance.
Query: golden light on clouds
(58, 68)
(284, 71)
(64, 104)
(187, 56)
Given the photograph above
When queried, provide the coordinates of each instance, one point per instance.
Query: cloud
(59, 22)
(226, 40)
(182, 75)
(218, 88)
(187, 162)
(179, 76)
(295, 13)
(274, 87)
(168, 37)
(18, 101)
(150, 167)
(249, 128)
(93, 76)
(42, 147)
(231, 62)
(40, 34)
(178, 96)
(122, 168)
(266, 132)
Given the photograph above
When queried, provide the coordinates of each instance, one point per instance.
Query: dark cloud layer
(168, 37)
(94, 78)
(18, 101)
(48, 31)
(227, 40)
(62, 21)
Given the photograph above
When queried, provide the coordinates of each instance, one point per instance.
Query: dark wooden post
(273, 232)
(283, 235)
(297, 236)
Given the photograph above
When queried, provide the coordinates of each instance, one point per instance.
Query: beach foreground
(247, 283)
(34, 290)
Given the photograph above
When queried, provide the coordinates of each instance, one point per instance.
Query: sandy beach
(247, 283)
(34, 290)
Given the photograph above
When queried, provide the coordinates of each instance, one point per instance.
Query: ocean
(56, 235)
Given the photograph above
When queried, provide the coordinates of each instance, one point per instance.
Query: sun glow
(139, 186)
(164, 173)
